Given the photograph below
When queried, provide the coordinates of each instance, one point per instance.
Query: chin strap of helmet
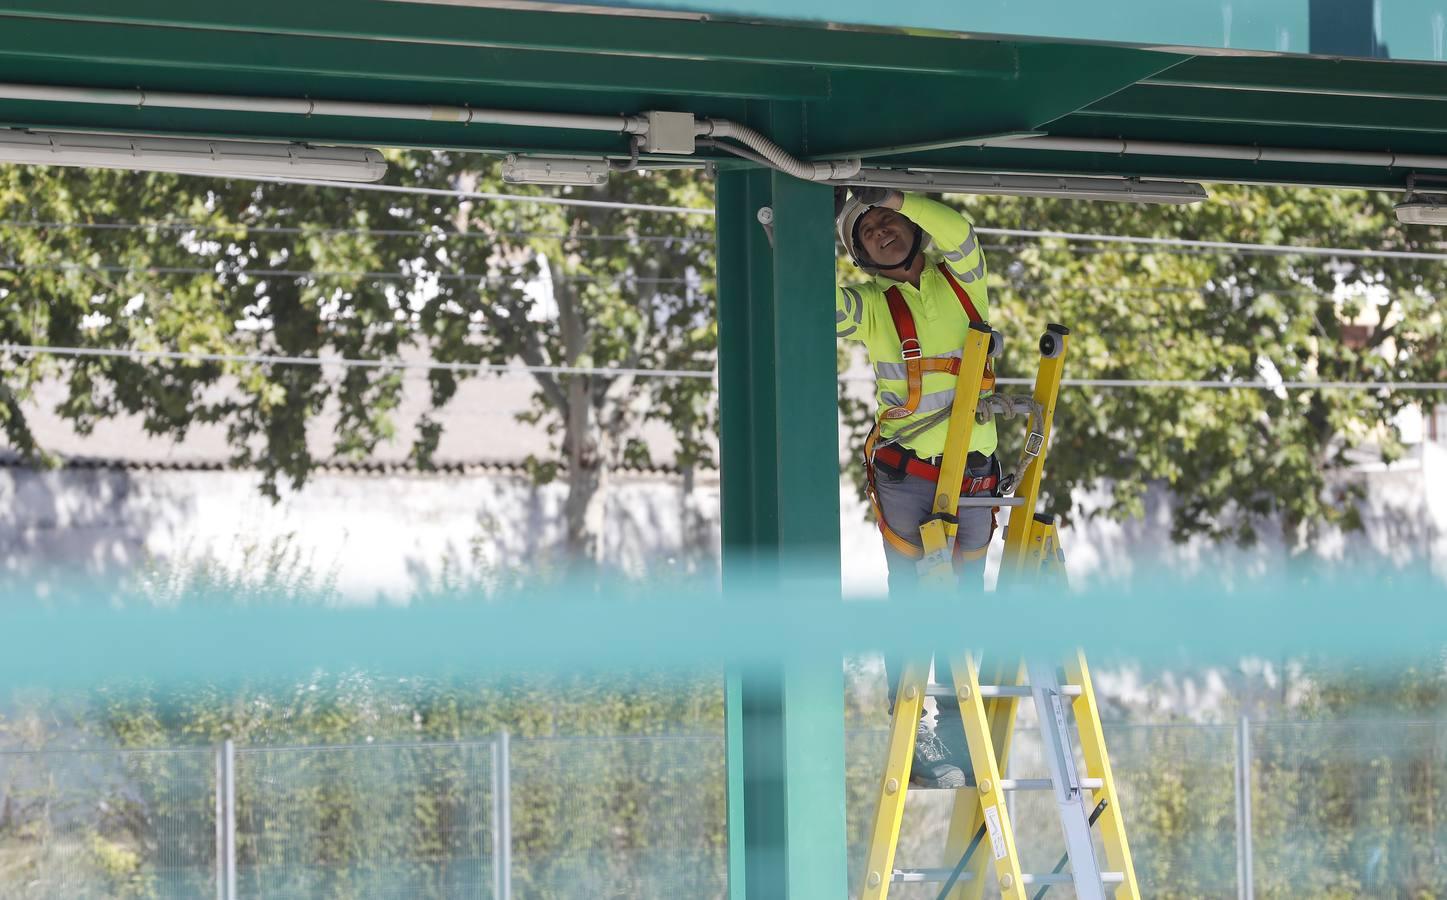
(913, 250)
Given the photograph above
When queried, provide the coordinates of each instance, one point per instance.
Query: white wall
(390, 535)
(376, 536)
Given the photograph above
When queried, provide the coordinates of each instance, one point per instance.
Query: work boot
(932, 767)
(950, 732)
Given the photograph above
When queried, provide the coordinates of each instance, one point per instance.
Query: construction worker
(928, 285)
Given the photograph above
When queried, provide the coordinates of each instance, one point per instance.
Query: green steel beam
(676, 38)
(748, 408)
(1252, 108)
(1379, 29)
(171, 59)
(1337, 78)
(1053, 81)
(777, 385)
(1269, 25)
(807, 386)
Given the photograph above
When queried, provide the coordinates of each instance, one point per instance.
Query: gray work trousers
(906, 502)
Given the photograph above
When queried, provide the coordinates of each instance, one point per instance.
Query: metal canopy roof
(861, 87)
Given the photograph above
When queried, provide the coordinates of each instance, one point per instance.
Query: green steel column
(781, 505)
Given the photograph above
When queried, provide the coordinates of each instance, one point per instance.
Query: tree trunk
(584, 444)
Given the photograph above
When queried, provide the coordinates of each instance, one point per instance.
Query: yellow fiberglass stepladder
(980, 829)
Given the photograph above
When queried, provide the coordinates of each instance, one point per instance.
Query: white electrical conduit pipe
(716, 128)
(1120, 146)
(776, 156)
(466, 115)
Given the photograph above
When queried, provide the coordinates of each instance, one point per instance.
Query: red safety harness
(916, 366)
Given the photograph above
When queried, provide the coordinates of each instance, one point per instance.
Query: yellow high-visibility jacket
(862, 314)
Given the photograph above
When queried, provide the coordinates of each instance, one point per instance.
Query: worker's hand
(878, 196)
(841, 196)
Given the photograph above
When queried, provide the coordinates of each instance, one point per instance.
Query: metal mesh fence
(641, 817)
(1337, 810)
(1349, 810)
(1177, 784)
(103, 824)
(409, 821)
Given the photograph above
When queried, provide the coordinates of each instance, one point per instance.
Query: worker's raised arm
(953, 233)
(853, 318)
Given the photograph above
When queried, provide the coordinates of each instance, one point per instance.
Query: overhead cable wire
(1218, 385)
(543, 199)
(203, 228)
(581, 279)
(1191, 384)
(510, 368)
(345, 362)
(1224, 291)
(1195, 247)
(1233, 246)
(1230, 246)
(310, 273)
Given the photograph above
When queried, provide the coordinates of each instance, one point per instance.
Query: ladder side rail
(889, 809)
(989, 797)
(1037, 550)
(1047, 392)
(937, 536)
(965, 819)
(1097, 765)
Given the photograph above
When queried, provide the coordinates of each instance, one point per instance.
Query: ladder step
(968, 502)
(998, 690)
(1043, 784)
(939, 876)
(1015, 784)
(1066, 878)
(926, 876)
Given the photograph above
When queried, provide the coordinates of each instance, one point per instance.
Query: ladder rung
(998, 690)
(926, 876)
(1017, 784)
(1043, 784)
(1067, 878)
(968, 502)
(939, 876)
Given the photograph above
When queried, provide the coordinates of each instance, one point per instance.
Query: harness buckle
(975, 484)
(909, 352)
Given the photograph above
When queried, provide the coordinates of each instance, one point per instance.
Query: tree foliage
(388, 276)
(240, 268)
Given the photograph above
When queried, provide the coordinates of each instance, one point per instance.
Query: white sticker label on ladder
(997, 837)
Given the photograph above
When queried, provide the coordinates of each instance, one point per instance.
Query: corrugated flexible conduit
(777, 156)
